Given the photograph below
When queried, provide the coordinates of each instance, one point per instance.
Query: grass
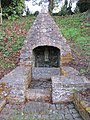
(77, 32)
(12, 36)
(74, 29)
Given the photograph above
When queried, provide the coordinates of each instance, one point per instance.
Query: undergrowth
(12, 36)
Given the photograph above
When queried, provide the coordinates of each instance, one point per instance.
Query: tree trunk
(0, 13)
(51, 4)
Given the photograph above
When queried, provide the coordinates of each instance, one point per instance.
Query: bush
(12, 8)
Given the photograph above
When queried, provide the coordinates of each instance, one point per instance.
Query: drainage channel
(41, 84)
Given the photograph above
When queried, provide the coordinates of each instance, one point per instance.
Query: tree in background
(83, 5)
(12, 8)
(51, 5)
(66, 10)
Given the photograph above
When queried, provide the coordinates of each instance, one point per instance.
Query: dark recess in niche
(47, 56)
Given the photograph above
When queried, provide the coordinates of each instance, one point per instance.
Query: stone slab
(63, 87)
(44, 73)
(39, 95)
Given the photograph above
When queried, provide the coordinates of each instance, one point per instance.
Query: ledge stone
(82, 106)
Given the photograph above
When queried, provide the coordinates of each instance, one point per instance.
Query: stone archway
(46, 56)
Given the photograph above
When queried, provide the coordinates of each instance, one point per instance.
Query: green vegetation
(83, 5)
(76, 29)
(12, 9)
(12, 36)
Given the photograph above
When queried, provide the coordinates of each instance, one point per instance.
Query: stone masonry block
(19, 79)
(38, 95)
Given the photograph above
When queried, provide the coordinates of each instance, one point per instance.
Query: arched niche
(46, 56)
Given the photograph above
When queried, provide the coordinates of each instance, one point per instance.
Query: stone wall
(45, 32)
(18, 80)
(64, 86)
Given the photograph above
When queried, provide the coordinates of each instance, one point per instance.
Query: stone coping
(44, 72)
(82, 105)
(18, 81)
(64, 86)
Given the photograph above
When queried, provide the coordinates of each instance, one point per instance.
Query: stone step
(39, 95)
(41, 84)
